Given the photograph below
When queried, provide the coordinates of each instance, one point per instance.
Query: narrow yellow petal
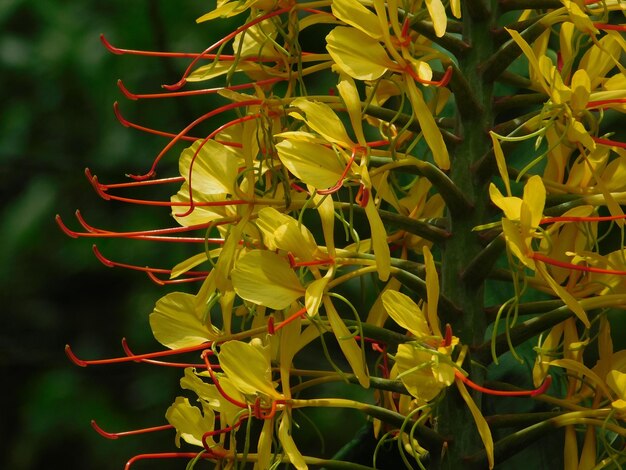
(347, 343)
(350, 96)
(289, 445)
(431, 132)
(379, 241)
(481, 423)
(406, 313)
(500, 162)
(432, 292)
(437, 13)
(565, 296)
(355, 14)
(323, 120)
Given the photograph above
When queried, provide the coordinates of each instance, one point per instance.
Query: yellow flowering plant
(441, 231)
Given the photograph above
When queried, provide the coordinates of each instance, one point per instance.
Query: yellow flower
(520, 225)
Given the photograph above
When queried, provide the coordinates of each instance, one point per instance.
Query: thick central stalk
(453, 419)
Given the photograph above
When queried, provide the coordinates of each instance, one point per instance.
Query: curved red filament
(505, 393)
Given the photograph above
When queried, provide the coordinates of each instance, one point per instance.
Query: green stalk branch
(505, 55)
(449, 42)
(519, 101)
(401, 119)
(509, 5)
(416, 227)
(467, 103)
(479, 268)
(527, 308)
(426, 436)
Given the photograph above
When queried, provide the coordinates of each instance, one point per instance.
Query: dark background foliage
(58, 84)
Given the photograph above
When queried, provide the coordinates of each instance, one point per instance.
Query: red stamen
(216, 382)
(298, 314)
(559, 61)
(204, 117)
(127, 123)
(128, 352)
(228, 37)
(604, 218)
(362, 196)
(107, 262)
(608, 142)
(505, 393)
(300, 189)
(84, 363)
(605, 103)
(438, 83)
(151, 235)
(93, 179)
(575, 267)
(174, 455)
(234, 122)
(339, 183)
(184, 55)
(163, 282)
(270, 326)
(610, 27)
(447, 339)
(205, 91)
(116, 435)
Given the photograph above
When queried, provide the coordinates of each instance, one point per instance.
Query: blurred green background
(58, 84)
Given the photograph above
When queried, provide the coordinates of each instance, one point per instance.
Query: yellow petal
(437, 13)
(432, 292)
(406, 313)
(350, 96)
(323, 120)
(511, 206)
(314, 294)
(264, 445)
(481, 423)
(248, 368)
(289, 446)
(355, 14)
(431, 132)
(417, 374)
(285, 233)
(501, 163)
(581, 87)
(312, 163)
(517, 243)
(175, 323)
(379, 240)
(265, 278)
(565, 296)
(579, 368)
(535, 200)
(617, 381)
(326, 210)
(347, 343)
(359, 55)
(189, 422)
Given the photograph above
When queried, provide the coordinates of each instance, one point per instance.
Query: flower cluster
(397, 178)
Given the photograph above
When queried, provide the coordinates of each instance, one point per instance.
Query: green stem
(510, 51)
(509, 5)
(416, 227)
(426, 436)
(479, 268)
